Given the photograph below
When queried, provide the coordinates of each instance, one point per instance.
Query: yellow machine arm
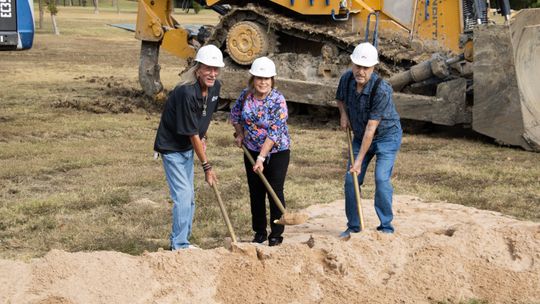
(155, 23)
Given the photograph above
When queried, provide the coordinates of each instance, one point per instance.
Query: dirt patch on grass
(115, 96)
(440, 252)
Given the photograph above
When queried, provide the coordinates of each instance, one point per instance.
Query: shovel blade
(292, 219)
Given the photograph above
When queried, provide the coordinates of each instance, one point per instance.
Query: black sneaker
(259, 238)
(275, 241)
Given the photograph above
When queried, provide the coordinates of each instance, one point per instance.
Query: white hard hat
(210, 55)
(365, 54)
(263, 67)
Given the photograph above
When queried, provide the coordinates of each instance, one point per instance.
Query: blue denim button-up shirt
(360, 111)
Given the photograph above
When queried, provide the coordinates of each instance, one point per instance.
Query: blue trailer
(16, 24)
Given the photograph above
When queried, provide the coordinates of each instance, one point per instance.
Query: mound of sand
(440, 252)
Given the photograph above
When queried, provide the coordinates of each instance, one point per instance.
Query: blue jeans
(179, 172)
(385, 149)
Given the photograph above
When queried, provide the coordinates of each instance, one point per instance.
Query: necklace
(205, 99)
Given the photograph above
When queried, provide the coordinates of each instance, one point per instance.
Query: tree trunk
(40, 23)
(96, 9)
(117, 6)
(55, 27)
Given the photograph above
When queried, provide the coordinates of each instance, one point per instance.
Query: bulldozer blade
(506, 91)
(292, 219)
(149, 68)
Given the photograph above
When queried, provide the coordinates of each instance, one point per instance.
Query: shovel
(355, 182)
(224, 213)
(286, 218)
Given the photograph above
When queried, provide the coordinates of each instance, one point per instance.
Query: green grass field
(76, 140)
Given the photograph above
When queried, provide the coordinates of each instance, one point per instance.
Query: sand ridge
(440, 252)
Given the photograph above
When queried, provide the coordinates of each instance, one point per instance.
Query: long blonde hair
(191, 75)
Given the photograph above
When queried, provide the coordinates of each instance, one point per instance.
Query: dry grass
(76, 141)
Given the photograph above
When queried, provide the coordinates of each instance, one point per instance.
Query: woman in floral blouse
(259, 117)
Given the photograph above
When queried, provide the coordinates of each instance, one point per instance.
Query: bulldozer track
(396, 53)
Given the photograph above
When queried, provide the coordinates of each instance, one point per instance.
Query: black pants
(275, 170)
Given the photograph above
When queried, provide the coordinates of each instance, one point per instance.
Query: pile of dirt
(440, 252)
(109, 95)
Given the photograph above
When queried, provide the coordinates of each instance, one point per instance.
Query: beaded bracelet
(206, 166)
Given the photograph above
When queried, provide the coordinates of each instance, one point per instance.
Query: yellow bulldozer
(447, 62)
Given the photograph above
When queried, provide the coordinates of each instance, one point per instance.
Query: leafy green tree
(186, 5)
(53, 9)
(520, 4)
(96, 6)
(40, 21)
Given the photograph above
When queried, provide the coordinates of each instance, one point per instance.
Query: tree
(96, 8)
(51, 7)
(117, 4)
(40, 5)
(519, 4)
(185, 5)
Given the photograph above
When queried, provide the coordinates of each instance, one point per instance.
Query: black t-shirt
(183, 117)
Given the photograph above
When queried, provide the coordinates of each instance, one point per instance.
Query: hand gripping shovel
(286, 218)
(355, 182)
(224, 213)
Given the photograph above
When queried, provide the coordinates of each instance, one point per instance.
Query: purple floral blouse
(261, 119)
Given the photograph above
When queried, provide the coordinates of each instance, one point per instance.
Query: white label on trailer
(1, 38)
(5, 9)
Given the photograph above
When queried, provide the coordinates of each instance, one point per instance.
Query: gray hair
(191, 75)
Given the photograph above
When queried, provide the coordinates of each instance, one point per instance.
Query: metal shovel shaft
(224, 213)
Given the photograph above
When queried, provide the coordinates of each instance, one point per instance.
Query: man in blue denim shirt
(365, 105)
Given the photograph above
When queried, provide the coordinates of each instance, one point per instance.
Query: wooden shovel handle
(224, 213)
(265, 181)
(355, 182)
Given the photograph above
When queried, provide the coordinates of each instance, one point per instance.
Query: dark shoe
(347, 233)
(275, 241)
(385, 230)
(259, 238)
